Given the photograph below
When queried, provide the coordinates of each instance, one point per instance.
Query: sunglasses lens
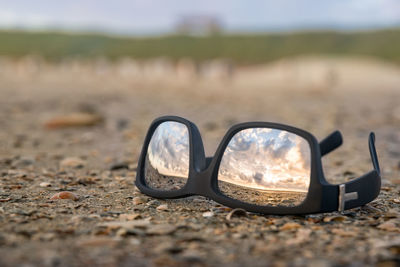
(266, 167)
(167, 159)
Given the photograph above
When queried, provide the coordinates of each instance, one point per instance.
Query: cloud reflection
(168, 150)
(267, 159)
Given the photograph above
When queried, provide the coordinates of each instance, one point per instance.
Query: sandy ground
(114, 224)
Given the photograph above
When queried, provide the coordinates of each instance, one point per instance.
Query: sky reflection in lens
(168, 151)
(267, 159)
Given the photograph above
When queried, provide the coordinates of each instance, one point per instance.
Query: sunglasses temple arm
(364, 189)
(330, 143)
(372, 151)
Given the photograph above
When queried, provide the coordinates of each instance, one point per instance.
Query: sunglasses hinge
(344, 197)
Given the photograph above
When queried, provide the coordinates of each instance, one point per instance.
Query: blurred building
(199, 25)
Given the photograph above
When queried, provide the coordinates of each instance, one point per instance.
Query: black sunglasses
(261, 167)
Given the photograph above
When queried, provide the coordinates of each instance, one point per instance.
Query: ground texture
(112, 223)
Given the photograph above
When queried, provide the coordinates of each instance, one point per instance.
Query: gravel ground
(111, 223)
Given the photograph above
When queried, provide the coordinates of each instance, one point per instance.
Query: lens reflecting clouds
(266, 167)
(167, 159)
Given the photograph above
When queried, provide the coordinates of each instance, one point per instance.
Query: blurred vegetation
(243, 48)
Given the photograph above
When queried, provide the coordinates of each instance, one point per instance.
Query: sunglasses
(261, 167)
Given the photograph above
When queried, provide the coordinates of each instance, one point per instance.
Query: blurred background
(318, 65)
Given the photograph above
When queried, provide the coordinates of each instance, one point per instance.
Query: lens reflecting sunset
(267, 159)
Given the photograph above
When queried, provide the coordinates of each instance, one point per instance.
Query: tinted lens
(266, 167)
(167, 159)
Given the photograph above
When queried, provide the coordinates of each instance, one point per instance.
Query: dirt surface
(112, 223)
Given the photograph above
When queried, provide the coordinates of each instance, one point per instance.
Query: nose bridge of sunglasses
(208, 161)
(199, 183)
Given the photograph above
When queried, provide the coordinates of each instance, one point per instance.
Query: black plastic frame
(322, 196)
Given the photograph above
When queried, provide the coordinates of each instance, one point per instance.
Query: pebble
(208, 214)
(344, 233)
(389, 226)
(65, 195)
(335, 218)
(168, 247)
(72, 162)
(290, 226)
(74, 120)
(138, 200)
(129, 217)
(153, 202)
(119, 166)
(392, 214)
(45, 184)
(163, 207)
(236, 212)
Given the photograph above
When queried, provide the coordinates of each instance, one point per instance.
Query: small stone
(74, 120)
(138, 200)
(344, 233)
(392, 213)
(208, 214)
(129, 217)
(45, 184)
(236, 212)
(65, 195)
(72, 162)
(290, 226)
(334, 218)
(389, 226)
(119, 166)
(169, 247)
(239, 235)
(121, 232)
(163, 207)
(153, 202)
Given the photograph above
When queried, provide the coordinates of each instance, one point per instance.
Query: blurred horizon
(162, 18)
(238, 48)
(263, 31)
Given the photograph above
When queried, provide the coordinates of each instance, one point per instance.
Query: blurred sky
(159, 16)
